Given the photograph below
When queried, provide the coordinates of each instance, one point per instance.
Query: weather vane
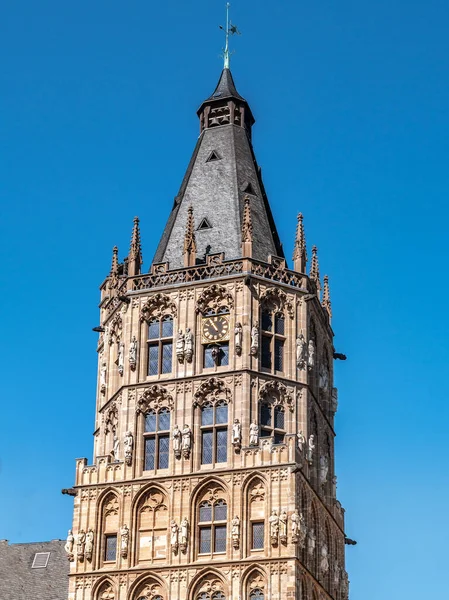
(229, 30)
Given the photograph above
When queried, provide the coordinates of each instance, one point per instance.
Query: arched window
(256, 515)
(214, 433)
(157, 439)
(160, 345)
(273, 338)
(256, 594)
(106, 592)
(152, 524)
(110, 527)
(208, 596)
(212, 521)
(272, 421)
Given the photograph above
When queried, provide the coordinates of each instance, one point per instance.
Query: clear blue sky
(98, 123)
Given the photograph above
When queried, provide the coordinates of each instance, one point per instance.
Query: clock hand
(215, 327)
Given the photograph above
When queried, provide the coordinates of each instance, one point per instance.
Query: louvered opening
(204, 225)
(40, 560)
(213, 156)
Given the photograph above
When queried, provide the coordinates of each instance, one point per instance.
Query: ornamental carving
(276, 393)
(115, 329)
(111, 419)
(212, 390)
(149, 591)
(112, 507)
(257, 492)
(106, 592)
(211, 584)
(153, 398)
(157, 306)
(274, 299)
(154, 500)
(214, 297)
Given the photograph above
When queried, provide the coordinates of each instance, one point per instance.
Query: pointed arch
(108, 524)
(104, 589)
(209, 582)
(209, 517)
(255, 584)
(148, 587)
(150, 510)
(255, 503)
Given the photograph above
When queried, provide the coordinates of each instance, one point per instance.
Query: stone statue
(89, 544)
(295, 525)
(324, 563)
(174, 530)
(186, 441)
(274, 527)
(124, 541)
(301, 440)
(310, 449)
(283, 527)
(298, 528)
(255, 340)
(236, 434)
(311, 354)
(128, 444)
(184, 534)
(133, 353)
(235, 532)
(215, 354)
(68, 547)
(334, 486)
(301, 351)
(115, 447)
(334, 400)
(80, 544)
(180, 340)
(311, 542)
(238, 337)
(188, 338)
(121, 357)
(177, 441)
(323, 377)
(324, 469)
(336, 574)
(254, 434)
(103, 372)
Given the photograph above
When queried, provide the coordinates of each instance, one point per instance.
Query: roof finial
(229, 30)
(315, 270)
(326, 303)
(114, 264)
(189, 240)
(135, 250)
(300, 251)
(247, 230)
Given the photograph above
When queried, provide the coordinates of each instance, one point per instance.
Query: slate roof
(216, 190)
(225, 88)
(19, 581)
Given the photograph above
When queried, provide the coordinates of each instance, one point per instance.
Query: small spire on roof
(135, 250)
(113, 274)
(247, 229)
(189, 240)
(326, 303)
(315, 270)
(300, 251)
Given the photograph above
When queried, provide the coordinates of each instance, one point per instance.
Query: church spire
(315, 270)
(247, 230)
(135, 250)
(326, 303)
(229, 30)
(300, 251)
(189, 240)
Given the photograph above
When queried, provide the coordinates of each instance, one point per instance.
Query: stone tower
(213, 475)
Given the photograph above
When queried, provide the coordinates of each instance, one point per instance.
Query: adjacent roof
(20, 581)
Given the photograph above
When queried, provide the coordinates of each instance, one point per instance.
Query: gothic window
(152, 524)
(212, 521)
(106, 592)
(110, 547)
(256, 515)
(160, 345)
(157, 439)
(214, 433)
(272, 421)
(273, 339)
(257, 535)
(256, 594)
(110, 527)
(208, 596)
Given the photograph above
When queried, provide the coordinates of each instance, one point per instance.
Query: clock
(215, 329)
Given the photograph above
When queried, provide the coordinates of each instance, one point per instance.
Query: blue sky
(352, 105)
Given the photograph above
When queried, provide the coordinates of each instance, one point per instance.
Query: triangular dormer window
(213, 156)
(204, 225)
(248, 189)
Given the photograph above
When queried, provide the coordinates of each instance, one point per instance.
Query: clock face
(215, 329)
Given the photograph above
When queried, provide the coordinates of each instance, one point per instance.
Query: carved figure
(89, 548)
(336, 574)
(301, 440)
(180, 342)
(121, 357)
(236, 434)
(184, 534)
(103, 372)
(235, 531)
(188, 338)
(274, 527)
(311, 354)
(115, 447)
(177, 441)
(298, 528)
(310, 449)
(128, 444)
(174, 531)
(80, 544)
(334, 486)
(324, 563)
(186, 441)
(283, 527)
(301, 351)
(324, 377)
(238, 337)
(254, 434)
(311, 542)
(255, 340)
(334, 400)
(68, 547)
(324, 468)
(124, 541)
(133, 353)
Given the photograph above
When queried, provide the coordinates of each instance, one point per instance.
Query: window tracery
(152, 525)
(212, 517)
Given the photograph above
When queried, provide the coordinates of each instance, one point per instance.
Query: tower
(213, 474)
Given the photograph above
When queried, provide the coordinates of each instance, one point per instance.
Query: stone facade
(180, 502)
